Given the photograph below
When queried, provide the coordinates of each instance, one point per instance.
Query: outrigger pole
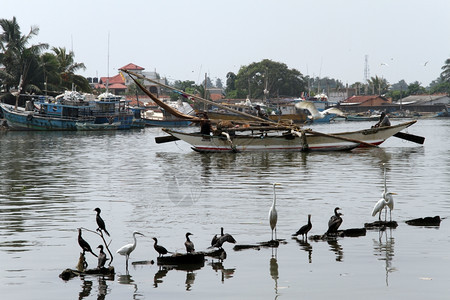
(190, 95)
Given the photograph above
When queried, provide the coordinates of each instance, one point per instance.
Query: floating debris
(70, 273)
(427, 221)
(381, 224)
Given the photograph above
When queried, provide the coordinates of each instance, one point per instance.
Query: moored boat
(49, 115)
(273, 139)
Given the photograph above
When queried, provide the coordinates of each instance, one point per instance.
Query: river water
(52, 181)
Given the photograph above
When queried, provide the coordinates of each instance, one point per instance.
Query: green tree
(416, 89)
(21, 62)
(268, 79)
(67, 69)
(446, 71)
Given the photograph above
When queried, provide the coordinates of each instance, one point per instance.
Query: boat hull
(288, 142)
(27, 120)
(167, 123)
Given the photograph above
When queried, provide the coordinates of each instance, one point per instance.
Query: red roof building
(370, 100)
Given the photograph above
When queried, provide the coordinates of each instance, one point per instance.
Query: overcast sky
(183, 40)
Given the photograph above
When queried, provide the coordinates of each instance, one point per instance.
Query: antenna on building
(366, 69)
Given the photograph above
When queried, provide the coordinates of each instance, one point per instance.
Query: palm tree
(67, 69)
(446, 70)
(19, 60)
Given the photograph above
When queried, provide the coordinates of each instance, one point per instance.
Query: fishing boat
(162, 118)
(59, 114)
(287, 139)
(362, 118)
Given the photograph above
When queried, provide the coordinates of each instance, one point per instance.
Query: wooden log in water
(427, 221)
(380, 224)
(70, 273)
(182, 259)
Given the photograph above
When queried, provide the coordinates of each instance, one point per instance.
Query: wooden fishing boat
(273, 138)
(50, 116)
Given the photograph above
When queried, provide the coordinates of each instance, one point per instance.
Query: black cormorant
(304, 229)
(189, 244)
(160, 249)
(335, 221)
(83, 244)
(222, 239)
(101, 258)
(100, 222)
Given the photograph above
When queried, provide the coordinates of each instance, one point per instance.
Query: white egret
(273, 216)
(315, 113)
(304, 229)
(100, 222)
(335, 221)
(189, 244)
(386, 200)
(127, 249)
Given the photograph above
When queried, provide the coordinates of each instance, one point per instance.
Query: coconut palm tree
(446, 70)
(67, 69)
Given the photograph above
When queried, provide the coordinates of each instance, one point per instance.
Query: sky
(183, 40)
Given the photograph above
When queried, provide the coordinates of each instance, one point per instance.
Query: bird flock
(217, 241)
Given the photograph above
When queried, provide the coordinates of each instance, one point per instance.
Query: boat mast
(107, 64)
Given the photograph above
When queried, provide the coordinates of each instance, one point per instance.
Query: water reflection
(306, 246)
(224, 273)
(128, 280)
(87, 286)
(274, 273)
(336, 248)
(163, 270)
(384, 249)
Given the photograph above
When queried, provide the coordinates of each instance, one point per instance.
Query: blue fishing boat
(56, 114)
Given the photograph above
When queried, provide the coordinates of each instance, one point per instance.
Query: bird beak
(394, 194)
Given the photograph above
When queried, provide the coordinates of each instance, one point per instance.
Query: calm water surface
(51, 182)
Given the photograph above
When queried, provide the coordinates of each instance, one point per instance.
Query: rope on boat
(302, 136)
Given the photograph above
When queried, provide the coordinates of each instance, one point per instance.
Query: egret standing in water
(189, 244)
(386, 200)
(273, 215)
(304, 229)
(127, 249)
(84, 245)
(100, 222)
(335, 221)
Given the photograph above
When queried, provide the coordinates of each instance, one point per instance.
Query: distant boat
(362, 118)
(161, 118)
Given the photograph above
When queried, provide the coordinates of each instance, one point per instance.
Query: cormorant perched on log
(218, 241)
(83, 244)
(160, 249)
(304, 229)
(101, 258)
(335, 221)
(100, 222)
(189, 244)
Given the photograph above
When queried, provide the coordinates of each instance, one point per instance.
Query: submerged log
(244, 247)
(182, 259)
(381, 224)
(427, 221)
(70, 273)
(351, 232)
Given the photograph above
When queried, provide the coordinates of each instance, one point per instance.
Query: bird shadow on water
(305, 246)
(273, 268)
